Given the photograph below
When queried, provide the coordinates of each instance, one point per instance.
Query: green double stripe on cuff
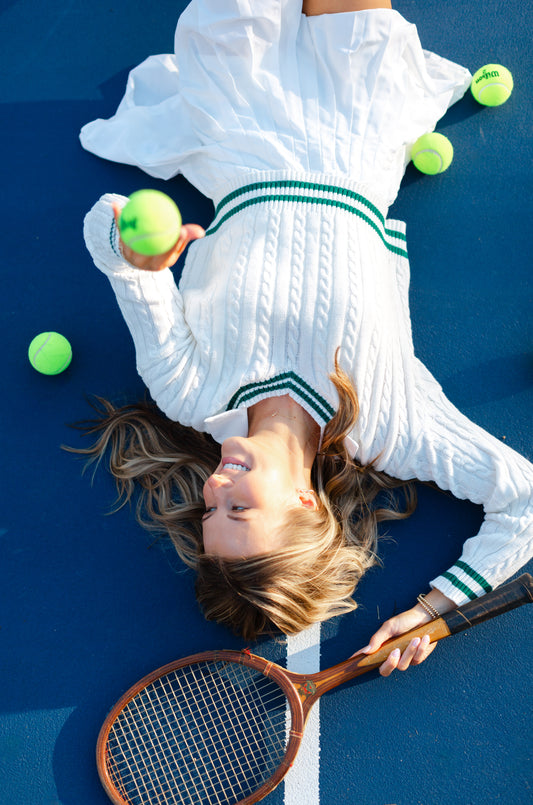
(477, 577)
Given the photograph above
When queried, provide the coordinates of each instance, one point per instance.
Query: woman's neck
(285, 419)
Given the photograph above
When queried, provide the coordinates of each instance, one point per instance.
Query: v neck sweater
(293, 267)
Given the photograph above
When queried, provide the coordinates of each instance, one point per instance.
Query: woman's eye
(211, 509)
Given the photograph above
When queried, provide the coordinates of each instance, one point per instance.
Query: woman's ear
(308, 498)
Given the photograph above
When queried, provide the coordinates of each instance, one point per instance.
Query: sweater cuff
(102, 238)
(461, 583)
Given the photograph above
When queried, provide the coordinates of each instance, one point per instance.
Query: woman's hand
(158, 262)
(419, 648)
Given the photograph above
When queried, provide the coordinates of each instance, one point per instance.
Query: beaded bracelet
(427, 606)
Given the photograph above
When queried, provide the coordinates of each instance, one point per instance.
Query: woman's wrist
(434, 604)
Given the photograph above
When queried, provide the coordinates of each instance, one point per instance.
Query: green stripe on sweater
(386, 235)
(321, 188)
(460, 586)
(289, 381)
(473, 575)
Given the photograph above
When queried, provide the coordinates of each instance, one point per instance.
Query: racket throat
(308, 693)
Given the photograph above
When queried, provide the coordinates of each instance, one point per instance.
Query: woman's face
(246, 499)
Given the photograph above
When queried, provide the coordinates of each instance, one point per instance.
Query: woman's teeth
(231, 466)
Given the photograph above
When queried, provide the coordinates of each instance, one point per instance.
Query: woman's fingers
(189, 232)
(390, 663)
(424, 650)
(415, 653)
(398, 660)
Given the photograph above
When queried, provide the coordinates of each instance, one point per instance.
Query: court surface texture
(88, 604)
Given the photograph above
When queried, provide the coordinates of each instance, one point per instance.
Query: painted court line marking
(302, 782)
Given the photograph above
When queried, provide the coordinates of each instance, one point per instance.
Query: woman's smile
(234, 464)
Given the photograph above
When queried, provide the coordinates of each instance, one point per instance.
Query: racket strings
(210, 733)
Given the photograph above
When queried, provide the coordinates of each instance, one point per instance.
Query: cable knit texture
(299, 129)
(264, 302)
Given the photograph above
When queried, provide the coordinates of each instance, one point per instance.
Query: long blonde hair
(163, 465)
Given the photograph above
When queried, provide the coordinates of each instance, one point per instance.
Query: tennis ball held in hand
(492, 85)
(150, 222)
(50, 353)
(432, 153)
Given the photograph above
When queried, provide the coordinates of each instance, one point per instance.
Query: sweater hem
(334, 181)
(311, 190)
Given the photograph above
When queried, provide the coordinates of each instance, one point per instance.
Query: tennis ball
(150, 222)
(50, 353)
(492, 84)
(432, 153)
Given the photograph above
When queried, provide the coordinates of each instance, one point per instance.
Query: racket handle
(504, 598)
(509, 596)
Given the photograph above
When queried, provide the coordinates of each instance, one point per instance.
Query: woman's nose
(217, 482)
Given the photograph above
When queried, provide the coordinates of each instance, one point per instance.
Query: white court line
(302, 782)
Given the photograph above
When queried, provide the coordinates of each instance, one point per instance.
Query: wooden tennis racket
(224, 727)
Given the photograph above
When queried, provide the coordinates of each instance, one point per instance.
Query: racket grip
(503, 599)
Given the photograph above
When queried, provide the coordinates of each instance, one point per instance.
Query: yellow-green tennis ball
(432, 153)
(50, 353)
(492, 84)
(150, 222)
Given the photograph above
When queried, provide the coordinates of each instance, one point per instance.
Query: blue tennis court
(90, 603)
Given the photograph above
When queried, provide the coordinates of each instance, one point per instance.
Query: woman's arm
(149, 299)
(461, 457)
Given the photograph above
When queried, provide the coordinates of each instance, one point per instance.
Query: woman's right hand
(418, 649)
(158, 262)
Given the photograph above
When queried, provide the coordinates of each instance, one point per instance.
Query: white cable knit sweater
(292, 267)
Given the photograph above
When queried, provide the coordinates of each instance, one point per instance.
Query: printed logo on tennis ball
(432, 153)
(492, 85)
(150, 222)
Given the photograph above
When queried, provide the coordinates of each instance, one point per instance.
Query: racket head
(216, 727)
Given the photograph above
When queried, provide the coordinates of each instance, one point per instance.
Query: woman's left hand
(158, 262)
(419, 648)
